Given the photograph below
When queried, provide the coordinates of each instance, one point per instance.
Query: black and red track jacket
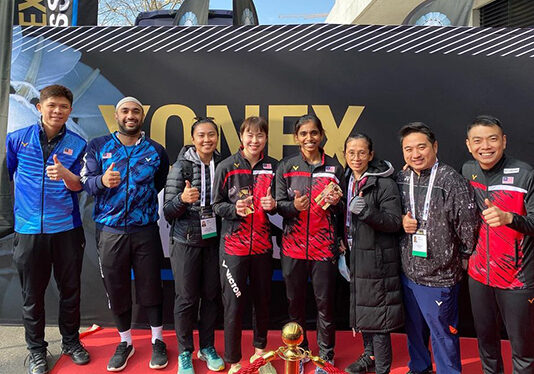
(234, 180)
(504, 256)
(311, 234)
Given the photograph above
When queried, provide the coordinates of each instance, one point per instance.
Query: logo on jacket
(148, 159)
(438, 302)
(267, 166)
(236, 164)
(474, 176)
(531, 300)
(24, 144)
(106, 155)
(67, 151)
(511, 170)
(231, 280)
(507, 180)
(330, 169)
(295, 167)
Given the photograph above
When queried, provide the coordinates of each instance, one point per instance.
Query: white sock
(157, 333)
(126, 336)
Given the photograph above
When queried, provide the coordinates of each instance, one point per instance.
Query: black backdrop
(372, 79)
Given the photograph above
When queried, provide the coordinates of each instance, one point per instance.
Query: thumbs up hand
(190, 194)
(267, 202)
(409, 223)
(301, 202)
(111, 178)
(357, 204)
(57, 171)
(496, 217)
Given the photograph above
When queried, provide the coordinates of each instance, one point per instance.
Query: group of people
(408, 238)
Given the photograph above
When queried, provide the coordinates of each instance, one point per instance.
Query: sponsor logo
(267, 166)
(231, 280)
(24, 144)
(453, 330)
(236, 164)
(531, 300)
(474, 176)
(507, 180)
(106, 155)
(511, 171)
(148, 159)
(330, 169)
(295, 167)
(438, 302)
(67, 151)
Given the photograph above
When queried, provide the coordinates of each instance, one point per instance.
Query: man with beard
(124, 171)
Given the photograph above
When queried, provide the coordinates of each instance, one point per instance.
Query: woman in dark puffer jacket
(372, 221)
(194, 245)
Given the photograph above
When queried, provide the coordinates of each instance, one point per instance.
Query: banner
(440, 13)
(55, 12)
(192, 13)
(372, 79)
(244, 13)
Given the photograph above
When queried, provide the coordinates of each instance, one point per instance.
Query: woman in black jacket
(373, 217)
(194, 245)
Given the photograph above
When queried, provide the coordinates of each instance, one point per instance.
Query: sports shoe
(119, 360)
(77, 353)
(428, 370)
(159, 358)
(268, 368)
(234, 369)
(364, 364)
(185, 363)
(213, 360)
(319, 370)
(38, 363)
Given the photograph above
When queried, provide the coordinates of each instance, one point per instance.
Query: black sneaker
(159, 358)
(77, 353)
(38, 363)
(428, 370)
(119, 360)
(364, 364)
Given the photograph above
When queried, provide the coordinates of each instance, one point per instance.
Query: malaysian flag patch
(106, 155)
(330, 169)
(507, 180)
(267, 166)
(67, 151)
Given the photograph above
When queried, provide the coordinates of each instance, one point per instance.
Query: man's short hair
(56, 90)
(418, 127)
(485, 120)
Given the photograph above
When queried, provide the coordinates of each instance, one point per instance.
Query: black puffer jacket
(375, 289)
(185, 218)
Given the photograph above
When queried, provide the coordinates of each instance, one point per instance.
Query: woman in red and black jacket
(243, 198)
(312, 226)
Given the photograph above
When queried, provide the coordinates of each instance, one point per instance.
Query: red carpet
(101, 345)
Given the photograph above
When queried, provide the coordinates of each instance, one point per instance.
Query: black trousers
(35, 255)
(196, 281)
(118, 254)
(379, 346)
(243, 277)
(489, 304)
(323, 278)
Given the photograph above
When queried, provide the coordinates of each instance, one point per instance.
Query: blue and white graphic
(188, 19)
(434, 19)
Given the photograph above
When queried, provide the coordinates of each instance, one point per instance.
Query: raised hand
(57, 171)
(267, 202)
(409, 223)
(111, 178)
(301, 202)
(190, 194)
(496, 217)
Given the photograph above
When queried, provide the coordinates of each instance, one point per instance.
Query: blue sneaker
(213, 360)
(185, 363)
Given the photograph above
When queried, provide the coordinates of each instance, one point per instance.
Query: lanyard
(352, 185)
(203, 182)
(426, 207)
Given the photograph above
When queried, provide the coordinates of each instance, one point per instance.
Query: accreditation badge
(419, 245)
(208, 225)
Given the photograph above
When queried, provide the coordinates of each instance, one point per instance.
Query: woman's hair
(308, 118)
(201, 120)
(359, 135)
(258, 123)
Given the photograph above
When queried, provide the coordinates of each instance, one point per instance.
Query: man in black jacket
(440, 223)
(501, 270)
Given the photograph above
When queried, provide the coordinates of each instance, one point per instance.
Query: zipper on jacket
(487, 237)
(42, 196)
(309, 211)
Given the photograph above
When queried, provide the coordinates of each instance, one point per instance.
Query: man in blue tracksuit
(44, 161)
(124, 171)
